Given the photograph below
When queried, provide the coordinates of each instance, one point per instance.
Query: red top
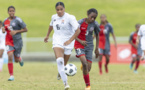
(82, 35)
(102, 38)
(9, 38)
(134, 38)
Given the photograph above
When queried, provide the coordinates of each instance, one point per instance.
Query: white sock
(1, 64)
(60, 66)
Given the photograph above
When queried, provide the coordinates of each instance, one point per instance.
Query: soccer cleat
(106, 68)
(21, 63)
(58, 76)
(131, 66)
(88, 88)
(81, 67)
(135, 71)
(67, 87)
(11, 78)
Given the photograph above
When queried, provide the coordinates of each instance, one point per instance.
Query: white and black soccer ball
(70, 69)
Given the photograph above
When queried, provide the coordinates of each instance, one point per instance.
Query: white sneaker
(11, 78)
(66, 87)
(58, 76)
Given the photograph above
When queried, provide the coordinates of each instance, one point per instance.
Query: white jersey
(64, 28)
(2, 39)
(141, 33)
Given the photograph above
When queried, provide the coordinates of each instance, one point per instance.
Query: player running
(104, 42)
(14, 26)
(2, 45)
(66, 29)
(135, 49)
(141, 37)
(84, 43)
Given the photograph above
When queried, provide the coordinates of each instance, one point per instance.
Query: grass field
(122, 14)
(42, 76)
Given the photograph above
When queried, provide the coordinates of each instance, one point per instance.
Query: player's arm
(97, 44)
(114, 38)
(84, 43)
(73, 37)
(135, 46)
(48, 33)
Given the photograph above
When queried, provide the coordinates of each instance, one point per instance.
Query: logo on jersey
(13, 24)
(62, 22)
(91, 29)
(54, 20)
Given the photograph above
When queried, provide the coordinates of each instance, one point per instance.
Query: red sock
(87, 79)
(100, 66)
(10, 68)
(137, 65)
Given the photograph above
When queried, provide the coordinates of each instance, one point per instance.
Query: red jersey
(102, 38)
(82, 35)
(9, 38)
(133, 38)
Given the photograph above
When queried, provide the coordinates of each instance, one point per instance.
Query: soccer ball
(70, 69)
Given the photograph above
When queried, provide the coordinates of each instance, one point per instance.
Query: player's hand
(96, 52)
(13, 32)
(67, 43)
(84, 43)
(115, 45)
(46, 39)
(142, 58)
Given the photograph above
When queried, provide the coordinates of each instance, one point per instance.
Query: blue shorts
(104, 51)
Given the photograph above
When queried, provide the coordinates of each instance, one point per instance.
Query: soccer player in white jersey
(2, 45)
(66, 29)
(141, 36)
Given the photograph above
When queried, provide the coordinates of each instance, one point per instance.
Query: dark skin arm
(84, 43)
(13, 32)
(135, 46)
(97, 44)
(114, 38)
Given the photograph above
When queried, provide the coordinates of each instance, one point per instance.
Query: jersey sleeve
(96, 29)
(21, 23)
(81, 21)
(111, 28)
(73, 22)
(51, 23)
(131, 36)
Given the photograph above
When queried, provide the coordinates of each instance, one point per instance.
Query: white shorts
(2, 44)
(67, 51)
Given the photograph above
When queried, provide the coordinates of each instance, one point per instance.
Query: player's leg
(89, 56)
(134, 58)
(1, 59)
(101, 52)
(17, 53)
(59, 54)
(10, 52)
(85, 70)
(107, 62)
(137, 63)
(81, 54)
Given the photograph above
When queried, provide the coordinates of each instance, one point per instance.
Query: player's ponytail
(11, 7)
(92, 10)
(59, 3)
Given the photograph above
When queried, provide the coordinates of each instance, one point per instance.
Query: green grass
(122, 14)
(42, 76)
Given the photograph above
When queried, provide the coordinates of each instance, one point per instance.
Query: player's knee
(16, 60)
(85, 65)
(60, 61)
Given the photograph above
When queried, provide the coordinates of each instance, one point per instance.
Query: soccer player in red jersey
(104, 41)
(84, 43)
(14, 26)
(135, 49)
